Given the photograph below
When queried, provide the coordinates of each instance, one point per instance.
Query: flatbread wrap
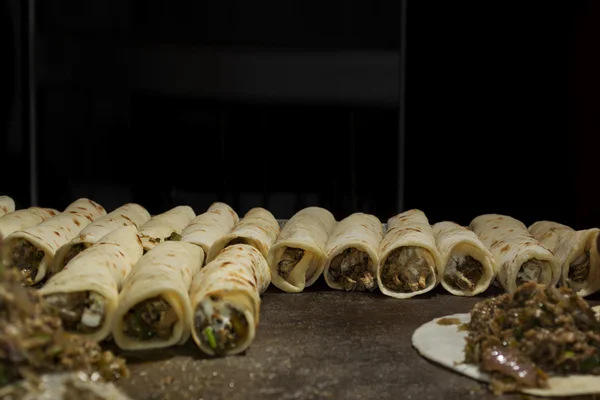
(577, 252)
(32, 249)
(518, 256)
(410, 261)
(208, 227)
(128, 214)
(352, 257)
(166, 226)
(154, 306)
(467, 265)
(7, 205)
(23, 219)
(539, 340)
(225, 298)
(298, 257)
(258, 228)
(85, 293)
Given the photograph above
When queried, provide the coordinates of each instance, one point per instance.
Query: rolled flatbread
(166, 226)
(225, 298)
(23, 219)
(210, 226)
(154, 306)
(518, 256)
(7, 205)
(129, 214)
(85, 293)
(352, 257)
(410, 261)
(298, 257)
(467, 265)
(577, 252)
(258, 228)
(32, 249)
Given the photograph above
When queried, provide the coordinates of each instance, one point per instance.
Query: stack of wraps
(129, 214)
(32, 249)
(85, 293)
(258, 228)
(7, 205)
(577, 252)
(352, 257)
(225, 299)
(467, 265)
(154, 306)
(298, 257)
(166, 226)
(518, 256)
(207, 228)
(410, 261)
(23, 219)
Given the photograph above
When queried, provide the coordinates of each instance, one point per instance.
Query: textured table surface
(320, 344)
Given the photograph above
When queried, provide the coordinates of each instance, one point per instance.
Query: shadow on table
(189, 349)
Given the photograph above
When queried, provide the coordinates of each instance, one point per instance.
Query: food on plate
(225, 297)
(410, 261)
(577, 252)
(539, 340)
(31, 250)
(352, 253)
(129, 214)
(23, 219)
(258, 228)
(85, 293)
(154, 306)
(207, 228)
(518, 256)
(7, 205)
(467, 265)
(298, 257)
(166, 226)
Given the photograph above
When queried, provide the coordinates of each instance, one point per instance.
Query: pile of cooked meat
(523, 338)
(33, 342)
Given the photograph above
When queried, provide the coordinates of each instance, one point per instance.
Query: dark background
(292, 103)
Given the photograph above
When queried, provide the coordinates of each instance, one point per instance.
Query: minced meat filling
(530, 271)
(27, 258)
(463, 272)
(150, 319)
(351, 269)
(173, 237)
(290, 258)
(82, 312)
(407, 269)
(220, 326)
(521, 339)
(580, 268)
(73, 251)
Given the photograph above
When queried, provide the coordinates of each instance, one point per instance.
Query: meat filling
(463, 272)
(153, 318)
(220, 326)
(530, 271)
(290, 258)
(407, 269)
(352, 270)
(174, 237)
(73, 251)
(82, 312)
(27, 258)
(523, 338)
(580, 268)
